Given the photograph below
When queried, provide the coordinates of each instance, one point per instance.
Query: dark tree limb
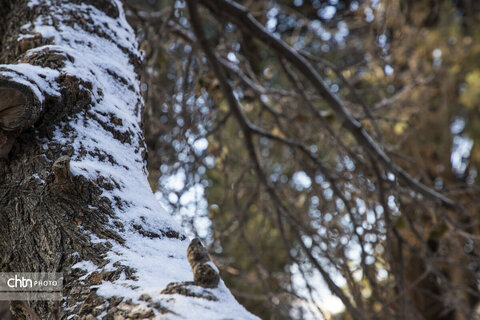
(244, 19)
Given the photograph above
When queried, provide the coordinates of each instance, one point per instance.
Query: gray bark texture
(74, 194)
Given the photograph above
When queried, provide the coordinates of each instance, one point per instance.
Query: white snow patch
(86, 265)
(33, 3)
(225, 308)
(40, 80)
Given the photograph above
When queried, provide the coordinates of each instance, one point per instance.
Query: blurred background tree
(362, 206)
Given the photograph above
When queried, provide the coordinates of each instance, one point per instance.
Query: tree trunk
(74, 195)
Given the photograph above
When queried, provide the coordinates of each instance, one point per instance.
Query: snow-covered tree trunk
(74, 195)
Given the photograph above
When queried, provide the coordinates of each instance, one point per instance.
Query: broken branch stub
(61, 170)
(18, 106)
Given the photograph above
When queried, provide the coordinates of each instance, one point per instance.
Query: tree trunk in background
(74, 195)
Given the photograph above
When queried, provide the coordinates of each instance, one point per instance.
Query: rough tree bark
(74, 195)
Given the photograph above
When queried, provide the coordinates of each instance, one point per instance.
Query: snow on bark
(105, 145)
